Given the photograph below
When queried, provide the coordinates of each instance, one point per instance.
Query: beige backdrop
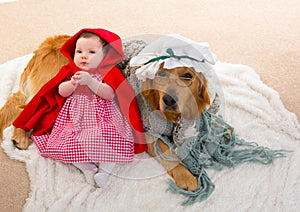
(262, 34)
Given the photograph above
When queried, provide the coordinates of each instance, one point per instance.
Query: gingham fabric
(88, 131)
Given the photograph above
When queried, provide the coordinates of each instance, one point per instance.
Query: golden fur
(174, 100)
(169, 99)
(45, 64)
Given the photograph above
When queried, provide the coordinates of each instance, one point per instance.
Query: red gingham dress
(88, 130)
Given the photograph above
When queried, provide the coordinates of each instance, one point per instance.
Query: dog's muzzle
(170, 101)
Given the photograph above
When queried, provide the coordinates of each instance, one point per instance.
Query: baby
(82, 122)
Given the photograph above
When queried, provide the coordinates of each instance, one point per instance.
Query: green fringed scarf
(213, 146)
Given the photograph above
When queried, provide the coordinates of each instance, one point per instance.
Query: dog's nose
(169, 100)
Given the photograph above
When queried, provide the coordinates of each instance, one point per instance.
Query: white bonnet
(175, 51)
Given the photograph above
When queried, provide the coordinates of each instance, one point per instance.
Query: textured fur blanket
(255, 111)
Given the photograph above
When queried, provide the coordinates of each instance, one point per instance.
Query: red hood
(113, 56)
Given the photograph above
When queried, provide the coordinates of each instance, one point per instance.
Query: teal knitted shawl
(213, 146)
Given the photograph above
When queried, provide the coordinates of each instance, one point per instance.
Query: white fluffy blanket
(255, 111)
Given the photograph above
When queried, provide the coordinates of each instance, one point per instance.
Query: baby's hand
(82, 77)
(74, 81)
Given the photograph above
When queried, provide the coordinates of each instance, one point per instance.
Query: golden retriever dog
(44, 65)
(172, 93)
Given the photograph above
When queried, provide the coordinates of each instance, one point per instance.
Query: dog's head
(177, 92)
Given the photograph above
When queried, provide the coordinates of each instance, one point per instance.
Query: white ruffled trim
(181, 47)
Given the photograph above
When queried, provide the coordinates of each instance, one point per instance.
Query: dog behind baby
(44, 65)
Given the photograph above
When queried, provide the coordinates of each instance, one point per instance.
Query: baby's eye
(92, 52)
(79, 51)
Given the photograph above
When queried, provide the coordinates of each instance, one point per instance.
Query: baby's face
(88, 53)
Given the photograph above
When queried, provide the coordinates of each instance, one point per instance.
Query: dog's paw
(184, 178)
(21, 139)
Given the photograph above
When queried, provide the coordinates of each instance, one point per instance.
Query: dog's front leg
(20, 138)
(182, 177)
(10, 111)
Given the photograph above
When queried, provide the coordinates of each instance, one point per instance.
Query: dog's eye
(186, 76)
(162, 74)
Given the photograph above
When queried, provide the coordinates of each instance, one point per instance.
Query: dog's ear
(146, 88)
(203, 93)
(150, 94)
